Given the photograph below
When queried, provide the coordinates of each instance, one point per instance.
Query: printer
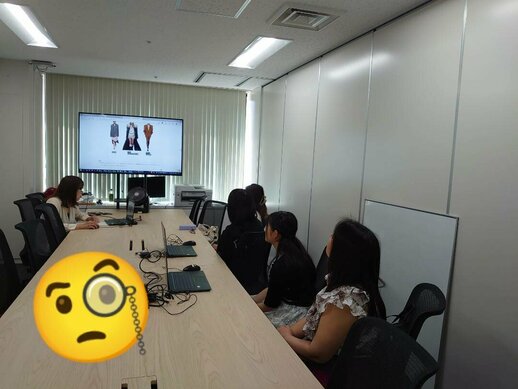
(185, 195)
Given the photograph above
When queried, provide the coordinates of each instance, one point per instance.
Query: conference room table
(223, 341)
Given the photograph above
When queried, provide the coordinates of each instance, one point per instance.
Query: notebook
(187, 281)
(176, 250)
(127, 221)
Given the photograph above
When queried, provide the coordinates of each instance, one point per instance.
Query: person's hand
(215, 246)
(88, 225)
(93, 218)
(285, 331)
(263, 212)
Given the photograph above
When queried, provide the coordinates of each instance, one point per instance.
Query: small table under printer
(186, 195)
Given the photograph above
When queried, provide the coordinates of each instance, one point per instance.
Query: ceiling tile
(227, 8)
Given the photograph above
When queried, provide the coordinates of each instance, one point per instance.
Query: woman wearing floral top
(351, 293)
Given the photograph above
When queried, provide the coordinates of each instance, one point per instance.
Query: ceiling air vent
(305, 19)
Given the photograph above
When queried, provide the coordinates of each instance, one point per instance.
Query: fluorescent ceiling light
(257, 51)
(25, 25)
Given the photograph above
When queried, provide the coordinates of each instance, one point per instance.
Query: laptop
(127, 221)
(187, 281)
(173, 250)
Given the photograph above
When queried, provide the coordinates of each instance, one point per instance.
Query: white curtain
(214, 128)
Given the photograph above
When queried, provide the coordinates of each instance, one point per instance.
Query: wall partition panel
(340, 139)
(20, 148)
(270, 148)
(482, 344)
(298, 144)
(412, 107)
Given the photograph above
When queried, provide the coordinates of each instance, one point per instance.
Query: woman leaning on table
(351, 293)
(65, 200)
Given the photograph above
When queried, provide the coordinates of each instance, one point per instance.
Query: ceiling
(176, 41)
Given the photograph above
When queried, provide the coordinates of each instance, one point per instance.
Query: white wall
(482, 340)
(412, 107)
(298, 143)
(439, 118)
(20, 148)
(340, 139)
(272, 128)
(252, 137)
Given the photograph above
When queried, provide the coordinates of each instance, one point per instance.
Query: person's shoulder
(253, 225)
(56, 201)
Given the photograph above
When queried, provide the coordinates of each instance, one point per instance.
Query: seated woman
(291, 274)
(351, 293)
(256, 191)
(241, 214)
(65, 200)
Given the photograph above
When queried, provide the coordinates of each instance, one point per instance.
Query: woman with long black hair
(291, 274)
(351, 293)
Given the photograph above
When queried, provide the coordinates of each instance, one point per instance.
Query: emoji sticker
(91, 307)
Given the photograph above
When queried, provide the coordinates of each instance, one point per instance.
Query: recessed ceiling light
(25, 25)
(257, 51)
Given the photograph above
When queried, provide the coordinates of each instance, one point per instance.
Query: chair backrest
(320, 280)
(37, 243)
(377, 355)
(36, 195)
(26, 208)
(425, 300)
(193, 215)
(213, 213)
(249, 261)
(10, 285)
(54, 225)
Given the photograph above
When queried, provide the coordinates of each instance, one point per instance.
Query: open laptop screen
(131, 210)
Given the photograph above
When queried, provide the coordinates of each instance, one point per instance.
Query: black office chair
(36, 198)
(425, 300)
(36, 241)
(10, 285)
(213, 213)
(249, 261)
(26, 208)
(36, 195)
(377, 355)
(53, 224)
(320, 280)
(27, 212)
(193, 215)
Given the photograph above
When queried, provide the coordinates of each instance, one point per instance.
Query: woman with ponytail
(351, 293)
(291, 274)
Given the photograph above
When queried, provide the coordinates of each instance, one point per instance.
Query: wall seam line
(366, 127)
(313, 156)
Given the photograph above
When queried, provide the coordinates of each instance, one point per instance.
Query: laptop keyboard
(180, 251)
(180, 281)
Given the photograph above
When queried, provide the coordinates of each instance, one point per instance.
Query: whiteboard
(416, 246)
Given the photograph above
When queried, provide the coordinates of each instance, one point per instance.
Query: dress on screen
(131, 133)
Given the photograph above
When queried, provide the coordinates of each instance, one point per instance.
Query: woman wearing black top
(241, 213)
(291, 274)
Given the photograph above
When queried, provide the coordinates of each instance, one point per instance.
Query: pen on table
(143, 246)
(131, 245)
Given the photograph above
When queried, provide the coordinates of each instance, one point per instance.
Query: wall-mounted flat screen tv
(130, 144)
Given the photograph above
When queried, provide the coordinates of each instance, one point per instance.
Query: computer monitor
(155, 185)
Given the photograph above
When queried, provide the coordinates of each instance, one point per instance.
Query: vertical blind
(214, 128)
